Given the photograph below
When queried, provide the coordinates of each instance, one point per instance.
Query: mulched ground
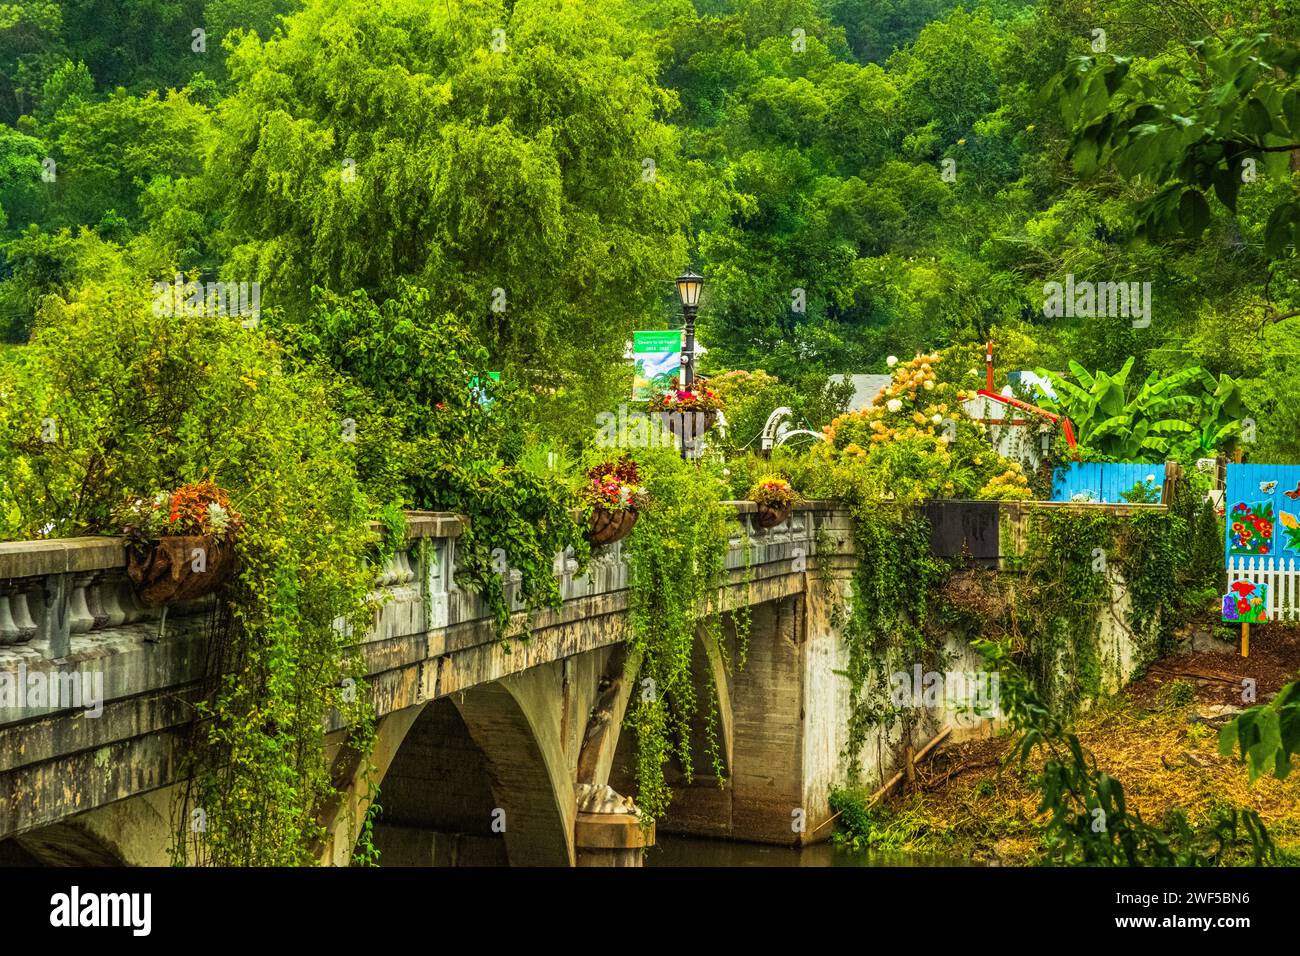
(1217, 675)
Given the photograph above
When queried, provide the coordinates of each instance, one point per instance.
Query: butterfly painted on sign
(1294, 495)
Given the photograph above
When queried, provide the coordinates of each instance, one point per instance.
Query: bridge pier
(762, 733)
(784, 720)
(611, 839)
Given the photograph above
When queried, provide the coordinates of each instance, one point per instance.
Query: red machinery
(987, 392)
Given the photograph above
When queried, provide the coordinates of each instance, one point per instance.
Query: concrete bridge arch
(491, 774)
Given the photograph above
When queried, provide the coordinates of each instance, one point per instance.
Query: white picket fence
(1282, 578)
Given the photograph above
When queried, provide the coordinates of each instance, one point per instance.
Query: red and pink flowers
(1246, 603)
(775, 493)
(698, 397)
(615, 486)
(199, 508)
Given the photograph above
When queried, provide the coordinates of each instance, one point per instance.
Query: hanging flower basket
(775, 499)
(614, 494)
(610, 526)
(698, 397)
(769, 516)
(179, 567)
(709, 419)
(181, 544)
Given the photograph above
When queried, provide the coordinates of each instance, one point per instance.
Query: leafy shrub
(112, 402)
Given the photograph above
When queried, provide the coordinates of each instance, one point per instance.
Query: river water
(671, 850)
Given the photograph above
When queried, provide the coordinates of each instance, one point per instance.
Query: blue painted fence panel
(1104, 481)
(1262, 507)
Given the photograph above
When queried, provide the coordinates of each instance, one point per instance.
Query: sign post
(1245, 625)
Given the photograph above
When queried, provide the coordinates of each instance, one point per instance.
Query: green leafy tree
(140, 403)
(1192, 130)
(20, 177)
(522, 176)
(29, 51)
(433, 431)
(110, 151)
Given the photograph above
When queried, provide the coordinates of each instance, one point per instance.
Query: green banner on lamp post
(657, 358)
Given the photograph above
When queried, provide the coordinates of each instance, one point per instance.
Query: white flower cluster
(218, 518)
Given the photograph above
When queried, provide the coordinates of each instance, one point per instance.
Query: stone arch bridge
(487, 752)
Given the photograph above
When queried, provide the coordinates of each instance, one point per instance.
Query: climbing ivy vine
(1070, 562)
(676, 569)
(887, 628)
(145, 403)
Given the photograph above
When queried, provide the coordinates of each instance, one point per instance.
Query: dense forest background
(855, 178)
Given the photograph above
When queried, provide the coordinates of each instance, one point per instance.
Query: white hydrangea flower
(891, 361)
(893, 404)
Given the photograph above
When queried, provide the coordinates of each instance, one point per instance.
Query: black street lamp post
(688, 288)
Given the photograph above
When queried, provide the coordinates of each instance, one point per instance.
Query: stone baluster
(80, 618)
(109, 591)
(21, 600)
(406, 570)
(381, 574)
(9, 633)
(132, 609)
(95, 599)
(56, 615)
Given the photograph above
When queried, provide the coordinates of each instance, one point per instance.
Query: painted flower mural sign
(1246, 603)
(1250, 528)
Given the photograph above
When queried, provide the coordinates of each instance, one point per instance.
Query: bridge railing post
(56, 620)
(437, 579)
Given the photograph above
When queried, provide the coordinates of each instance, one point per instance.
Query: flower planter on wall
(769, 517)
(179, 568)
(610, 526)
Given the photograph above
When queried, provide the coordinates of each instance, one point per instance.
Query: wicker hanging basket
(610, 526)
(770, 517)
(179, 568)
